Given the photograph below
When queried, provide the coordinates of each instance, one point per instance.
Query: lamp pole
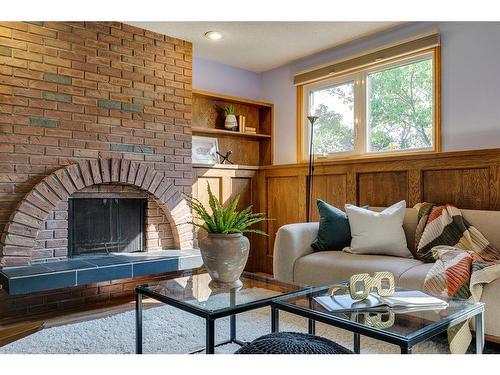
(312, 120)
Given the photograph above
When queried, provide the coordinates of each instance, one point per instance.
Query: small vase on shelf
(230, 122)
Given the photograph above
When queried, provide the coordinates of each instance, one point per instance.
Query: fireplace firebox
(105, 225)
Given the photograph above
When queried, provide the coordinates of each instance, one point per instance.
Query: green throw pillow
(334, 230)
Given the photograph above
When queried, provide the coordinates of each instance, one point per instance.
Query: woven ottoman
(292, 343)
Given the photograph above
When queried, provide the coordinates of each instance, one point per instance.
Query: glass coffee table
(196, 295)
(404, 329)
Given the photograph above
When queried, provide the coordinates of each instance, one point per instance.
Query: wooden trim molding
(491, 152)
(300, 128)
(437, 98)
(230, 98)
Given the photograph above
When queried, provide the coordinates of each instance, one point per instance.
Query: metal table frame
(209, 316)
(358, 329)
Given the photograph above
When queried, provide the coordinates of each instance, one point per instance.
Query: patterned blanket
(464, 260)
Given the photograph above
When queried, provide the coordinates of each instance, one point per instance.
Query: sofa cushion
(327, 267)
(378, 232)
(414, 277)
(409, 224)
(486, 222)
(334, 232)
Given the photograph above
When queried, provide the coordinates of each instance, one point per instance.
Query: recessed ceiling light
(213, 35)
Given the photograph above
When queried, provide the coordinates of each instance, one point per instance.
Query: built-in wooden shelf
(227, 166)
(201, 130)
(248, 149)
(231, 99)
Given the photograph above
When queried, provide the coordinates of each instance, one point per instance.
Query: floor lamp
(312, 120)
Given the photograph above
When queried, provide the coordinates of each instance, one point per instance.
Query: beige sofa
(294, 260)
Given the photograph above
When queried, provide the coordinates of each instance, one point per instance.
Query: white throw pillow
(378, 232)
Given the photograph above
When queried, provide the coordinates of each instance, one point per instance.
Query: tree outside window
(396, 111)
(400, 107)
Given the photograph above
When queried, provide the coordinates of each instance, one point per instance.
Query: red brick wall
(52, 239)
(158, 231)
(86, 90)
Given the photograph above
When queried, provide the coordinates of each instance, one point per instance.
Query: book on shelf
(241, 123)
(251, 130)
(400, 301)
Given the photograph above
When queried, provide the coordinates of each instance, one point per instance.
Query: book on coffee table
(401, 301)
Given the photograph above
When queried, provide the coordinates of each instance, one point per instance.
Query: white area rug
(168, 330)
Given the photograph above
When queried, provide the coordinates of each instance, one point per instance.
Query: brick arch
(19, 235)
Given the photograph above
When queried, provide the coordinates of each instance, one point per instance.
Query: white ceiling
(260, 46)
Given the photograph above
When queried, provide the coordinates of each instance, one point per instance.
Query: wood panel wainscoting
(467, 179)
(226, 181)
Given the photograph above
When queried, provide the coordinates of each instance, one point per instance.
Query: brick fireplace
(74, 92)
(95, 109)
(24, 237)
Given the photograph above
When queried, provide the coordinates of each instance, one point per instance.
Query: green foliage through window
(397, 113)
(400, 107)
(334, 128)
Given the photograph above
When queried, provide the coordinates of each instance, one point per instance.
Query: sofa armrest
(293, 241)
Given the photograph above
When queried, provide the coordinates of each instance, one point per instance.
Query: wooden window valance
(415, 45)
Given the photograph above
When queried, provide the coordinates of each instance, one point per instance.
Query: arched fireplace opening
(121, 206)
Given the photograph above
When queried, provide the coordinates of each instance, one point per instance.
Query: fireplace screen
(105, 225)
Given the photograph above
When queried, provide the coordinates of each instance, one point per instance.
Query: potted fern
(225, 249)
(230, 122)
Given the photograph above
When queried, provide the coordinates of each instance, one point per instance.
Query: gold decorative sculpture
(376, 320)
(361, 285)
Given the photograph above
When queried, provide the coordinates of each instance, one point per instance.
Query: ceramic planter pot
(225, 257)
(231, 123)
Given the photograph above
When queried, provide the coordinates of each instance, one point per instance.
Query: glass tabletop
(404, 325)
(196, 293)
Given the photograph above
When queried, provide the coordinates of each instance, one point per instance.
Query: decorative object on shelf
(312, 120)
(208, 119)
(368, 283)
(241, 123)
(225, 250)
(205, 150)
(230, 122)
(225, 158)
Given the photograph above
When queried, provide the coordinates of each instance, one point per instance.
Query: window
(383, 109)
(334, 129)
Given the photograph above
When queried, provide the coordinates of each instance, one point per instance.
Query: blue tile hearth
(104, 273)
(87, 270)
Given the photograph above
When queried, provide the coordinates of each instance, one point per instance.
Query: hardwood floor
(18, 331)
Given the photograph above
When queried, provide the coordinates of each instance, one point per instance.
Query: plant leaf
(226, 218)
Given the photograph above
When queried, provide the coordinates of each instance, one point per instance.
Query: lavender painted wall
(470, 84)
(277, 88)
(225, 79)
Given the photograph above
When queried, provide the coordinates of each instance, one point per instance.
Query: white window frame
(361, 108)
